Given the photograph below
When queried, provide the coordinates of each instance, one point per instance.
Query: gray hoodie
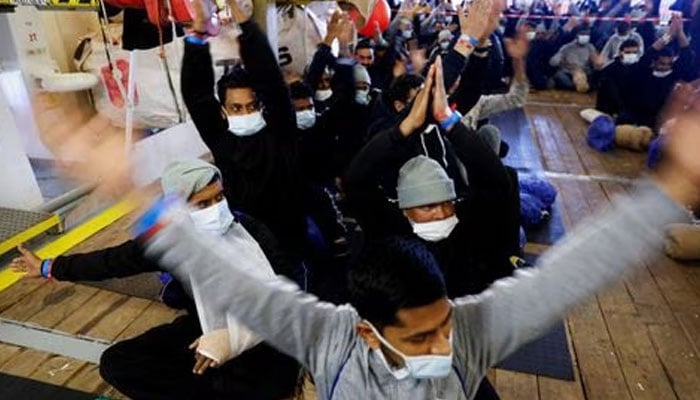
(487, 327)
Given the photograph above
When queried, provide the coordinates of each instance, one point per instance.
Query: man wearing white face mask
(474, 236)
(249, 126)
(623, 33)
(575, 62)
(163, 363)
(620, 81)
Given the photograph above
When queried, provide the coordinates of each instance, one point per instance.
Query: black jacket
(478, 250)
(128, 259)
(260, 173)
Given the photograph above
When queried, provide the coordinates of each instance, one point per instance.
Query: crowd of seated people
(376, 179)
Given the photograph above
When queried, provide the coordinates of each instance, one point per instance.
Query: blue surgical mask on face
(246, 125)
(417, 367)
(306, 119)
(362, 97)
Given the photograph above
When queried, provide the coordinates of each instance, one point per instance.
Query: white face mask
(362, 97)
(444, 45)
(531, 35)
(407, 34)
(323, 95)
(502, 29)
(662, 74)
(630, 58)
(417, 367)
(246, 125)
(215, 219)
(584, 39)
(435, 231)
(306, 119)
(624, 37)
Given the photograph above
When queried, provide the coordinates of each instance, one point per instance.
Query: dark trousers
(486, 391)
(158, 365)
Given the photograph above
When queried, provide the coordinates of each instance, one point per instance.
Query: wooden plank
(25, 362)
(600, 370)
(74, 298)
(680, 361)
(36, 301)
(555, 389)
(85, 318)
(7, 351)
(558, 152)
(18, 291)
(672, 280)
(57, 370)
(155, 314)
(643, 371)
(114, 323)
(516, 385)
(690, 322)
(87, 379)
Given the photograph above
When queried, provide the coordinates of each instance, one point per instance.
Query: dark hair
(395, 273)
(237, 78)
(364, 44)
(300, 90)
(664, 52)
(401, 87)
(629, 43)
(583, 28)
(623, 27)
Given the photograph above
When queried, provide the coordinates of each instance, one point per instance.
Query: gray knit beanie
(423, 181)
(187, 177)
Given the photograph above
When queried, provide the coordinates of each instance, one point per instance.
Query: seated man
(159, 364)
(620, 80)
(403, 338)
(250, 130)
(472, 234)
(623, 34)
(576, 61)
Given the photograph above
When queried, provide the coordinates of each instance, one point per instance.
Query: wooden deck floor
(637, 340)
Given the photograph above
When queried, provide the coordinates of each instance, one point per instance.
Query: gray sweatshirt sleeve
(519, 309)
(319, 335)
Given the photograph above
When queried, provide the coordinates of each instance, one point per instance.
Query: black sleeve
(197, 85)
(279, 260)
(127, 259)
(365, 198)
(266, 77)
(484, 167)
(322, 58)
(684, 64)
(471, 85)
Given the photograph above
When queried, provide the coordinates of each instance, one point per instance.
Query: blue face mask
(417, 367)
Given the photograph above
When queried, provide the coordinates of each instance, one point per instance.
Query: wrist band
(194, 39)
(450, 121)
(469, 39)
(46, 266)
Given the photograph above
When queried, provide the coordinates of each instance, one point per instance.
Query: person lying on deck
(159, 363)
(402, 337)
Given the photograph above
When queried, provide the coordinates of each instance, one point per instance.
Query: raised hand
(199, 24)
(334, 27)
(27, 263)
(237, 12)
(480, 19)
(416, 118)
(441, 108)
(679, 174)
(347, 31)
(517, 47)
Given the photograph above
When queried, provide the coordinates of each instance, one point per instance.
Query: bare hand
(399, 68)
(416, 118)
(475, 19)
(333, 30)
(202, 363)
(347, 31)
(28, 263)
(238, 14)
(441, 107)
(199, 24)
(517, 47)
